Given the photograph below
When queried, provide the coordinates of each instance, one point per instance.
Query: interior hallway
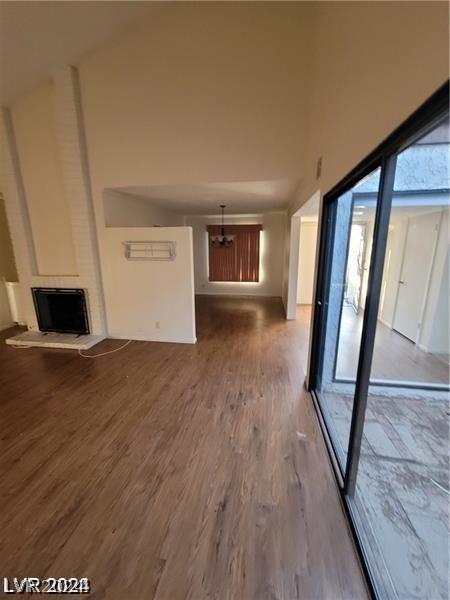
(174, 471)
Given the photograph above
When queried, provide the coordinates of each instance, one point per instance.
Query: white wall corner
(291, 304)
(17, 214)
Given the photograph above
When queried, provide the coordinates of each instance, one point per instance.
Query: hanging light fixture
(222, 240)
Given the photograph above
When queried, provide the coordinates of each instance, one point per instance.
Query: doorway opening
(356, 266)
(302, 258)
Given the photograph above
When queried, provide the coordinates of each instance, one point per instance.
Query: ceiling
(37, 37)
(245, 197)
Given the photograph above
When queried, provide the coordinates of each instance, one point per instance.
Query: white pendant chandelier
(222, 240)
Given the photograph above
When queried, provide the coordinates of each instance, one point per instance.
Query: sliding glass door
(348, 276)
(380, 365)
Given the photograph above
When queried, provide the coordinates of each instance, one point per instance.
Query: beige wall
(210, 91)
(201, 92)
(149, 300)
(306, 261)
(37, 144)
(125, 210)
(374, 63)
(7, 267)
(7, 264)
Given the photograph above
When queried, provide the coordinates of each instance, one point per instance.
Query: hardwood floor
(174, 471)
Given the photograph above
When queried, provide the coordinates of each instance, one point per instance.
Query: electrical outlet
(157, 325)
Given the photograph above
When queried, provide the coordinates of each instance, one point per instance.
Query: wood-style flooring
(174, 471)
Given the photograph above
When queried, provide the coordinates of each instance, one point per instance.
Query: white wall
(306, 262)
(290, 268)
(309, 212)
(34, 122)
(392, 269)
(140, 294)
(125, 210)
(272, 242)
(435, 334)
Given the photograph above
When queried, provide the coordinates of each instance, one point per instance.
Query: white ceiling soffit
(37, 37)
(244, 197)
(310, 210)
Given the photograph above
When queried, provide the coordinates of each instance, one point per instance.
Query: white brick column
(73, 157)
(72, 144)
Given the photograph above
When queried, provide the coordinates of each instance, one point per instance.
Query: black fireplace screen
(61, 310)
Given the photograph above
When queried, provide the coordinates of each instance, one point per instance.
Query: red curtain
(238, 262)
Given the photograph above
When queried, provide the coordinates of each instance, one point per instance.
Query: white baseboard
(136, 338)
(439, 353)
(385, 322)
(235, 295)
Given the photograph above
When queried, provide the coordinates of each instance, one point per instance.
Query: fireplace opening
(61, 310)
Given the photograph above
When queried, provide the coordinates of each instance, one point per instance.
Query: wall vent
(150, 250)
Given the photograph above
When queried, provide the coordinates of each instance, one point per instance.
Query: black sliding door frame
(384, 157)
(380, 234)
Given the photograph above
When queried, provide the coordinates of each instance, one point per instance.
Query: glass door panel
(401, 501)
(348, 272)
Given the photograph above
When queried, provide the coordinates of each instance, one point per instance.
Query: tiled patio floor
(402, 499)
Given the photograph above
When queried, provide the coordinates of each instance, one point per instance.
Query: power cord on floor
(104, 353)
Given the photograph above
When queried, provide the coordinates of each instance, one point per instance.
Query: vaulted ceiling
(37, 37)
